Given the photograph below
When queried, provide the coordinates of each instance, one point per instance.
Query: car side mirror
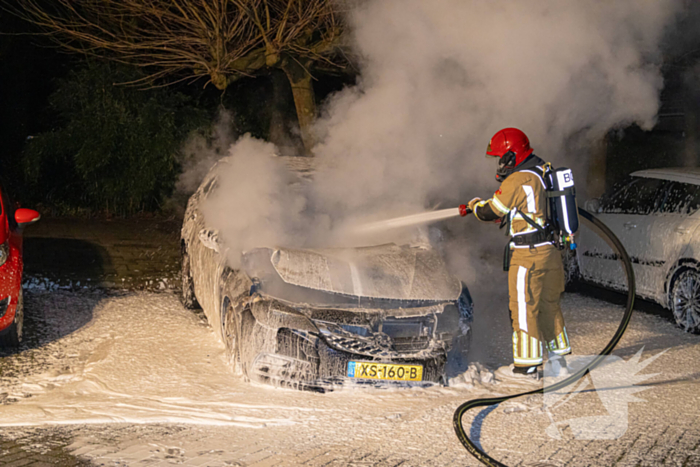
(25, 217)
(592, 205)
(210, 239)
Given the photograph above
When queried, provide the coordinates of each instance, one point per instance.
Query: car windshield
(387, 273)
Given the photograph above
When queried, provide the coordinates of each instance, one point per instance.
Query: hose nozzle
(464, 210)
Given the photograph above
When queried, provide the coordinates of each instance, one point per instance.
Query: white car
(655, 214)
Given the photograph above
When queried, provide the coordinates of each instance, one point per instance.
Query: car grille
(343, 340)
(395, 336)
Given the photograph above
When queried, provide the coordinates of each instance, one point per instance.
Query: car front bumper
(306, 361)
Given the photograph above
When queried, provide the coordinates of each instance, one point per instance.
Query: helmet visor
(489, 152)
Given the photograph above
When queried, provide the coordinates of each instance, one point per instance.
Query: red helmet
(510, 140)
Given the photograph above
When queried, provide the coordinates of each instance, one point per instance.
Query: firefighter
(535, 270)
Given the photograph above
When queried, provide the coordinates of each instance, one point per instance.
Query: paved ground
(134, 254)
(37, 449)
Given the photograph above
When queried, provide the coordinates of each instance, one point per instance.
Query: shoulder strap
(547, 170)
(526, 218)
(531, 222)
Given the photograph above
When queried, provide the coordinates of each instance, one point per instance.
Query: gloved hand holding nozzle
(465, 209)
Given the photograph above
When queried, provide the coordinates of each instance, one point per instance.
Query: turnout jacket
(522, 193)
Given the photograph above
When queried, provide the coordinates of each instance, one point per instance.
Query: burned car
(318, 318)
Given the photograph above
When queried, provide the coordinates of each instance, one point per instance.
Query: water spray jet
(407, 221)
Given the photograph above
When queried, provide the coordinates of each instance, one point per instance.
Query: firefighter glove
(472, 204)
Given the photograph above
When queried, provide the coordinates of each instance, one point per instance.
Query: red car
(12, 222)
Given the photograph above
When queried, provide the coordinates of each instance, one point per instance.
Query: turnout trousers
(535, 283)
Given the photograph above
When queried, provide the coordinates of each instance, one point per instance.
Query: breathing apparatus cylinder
(561, 192)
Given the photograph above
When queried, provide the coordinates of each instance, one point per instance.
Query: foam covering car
(12, 223)
(318, 318)
(656, 215)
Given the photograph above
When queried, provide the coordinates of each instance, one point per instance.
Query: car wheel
(685, 300)
(187, 297)
(247, 349)
(229, 331)
(19, 316)
(236, 332)
(13, 337)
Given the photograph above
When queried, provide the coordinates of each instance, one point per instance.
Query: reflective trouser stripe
(522, 303)
(560, 345)
(527, 351)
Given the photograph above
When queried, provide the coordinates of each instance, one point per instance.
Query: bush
(114, 147)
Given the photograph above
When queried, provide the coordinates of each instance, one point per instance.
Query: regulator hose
(462, 409)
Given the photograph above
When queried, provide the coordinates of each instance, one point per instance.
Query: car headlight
(4, 252)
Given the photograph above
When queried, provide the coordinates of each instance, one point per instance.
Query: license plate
(385, 371)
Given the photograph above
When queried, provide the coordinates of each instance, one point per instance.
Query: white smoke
(201, 152)
(255, 202)
(440, 78)
(437, 80)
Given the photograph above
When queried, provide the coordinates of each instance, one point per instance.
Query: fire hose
(473, 449)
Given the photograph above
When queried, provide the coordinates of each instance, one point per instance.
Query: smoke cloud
(256, 201)
(437, 80)
(201, 152)
(440, 78)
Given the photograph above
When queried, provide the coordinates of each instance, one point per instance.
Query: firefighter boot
(528, 371)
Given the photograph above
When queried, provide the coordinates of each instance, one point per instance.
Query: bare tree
(223, 39)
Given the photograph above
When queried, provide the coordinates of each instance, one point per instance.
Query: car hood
(385, 272)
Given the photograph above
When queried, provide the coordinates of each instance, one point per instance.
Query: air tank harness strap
(530, 239)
